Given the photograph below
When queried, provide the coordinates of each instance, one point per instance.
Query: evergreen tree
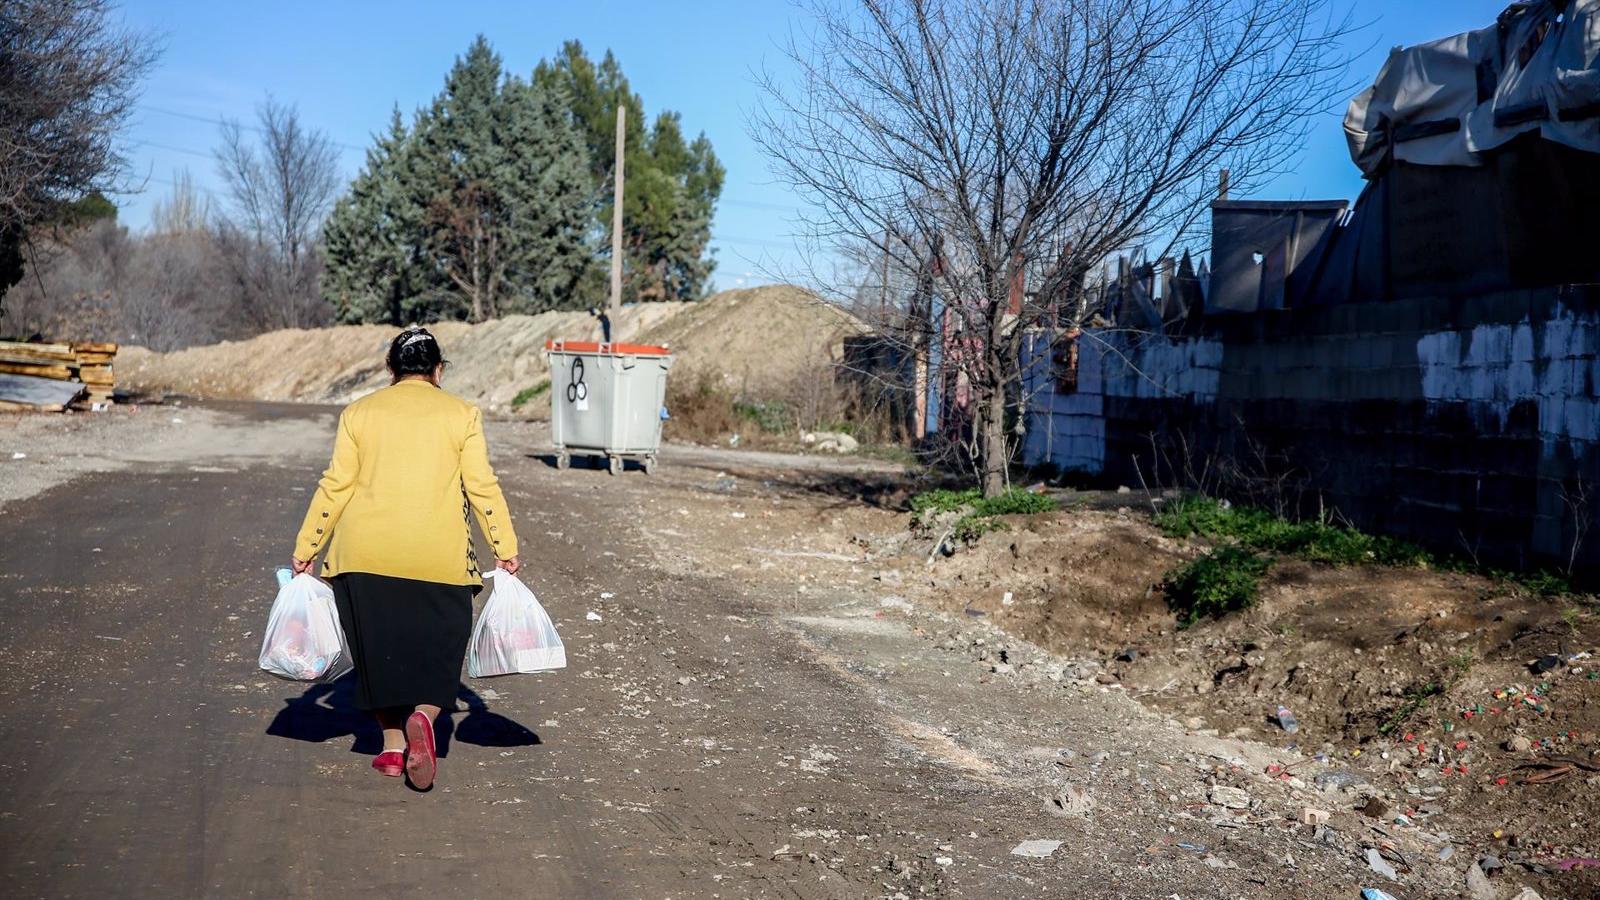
(375, 271)
(670, 191)
(481, 208)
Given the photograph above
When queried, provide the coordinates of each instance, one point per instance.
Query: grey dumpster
(606, 400)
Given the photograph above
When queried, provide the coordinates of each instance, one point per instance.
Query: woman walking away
(409, 469)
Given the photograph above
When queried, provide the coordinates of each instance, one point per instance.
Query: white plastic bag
(304, 641)
(514, 634)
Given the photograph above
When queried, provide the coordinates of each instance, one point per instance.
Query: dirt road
(724, 730)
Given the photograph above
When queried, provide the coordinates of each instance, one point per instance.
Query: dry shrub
(705, 408)
(701, 408)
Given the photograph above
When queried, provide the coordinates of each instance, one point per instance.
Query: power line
(218, 121)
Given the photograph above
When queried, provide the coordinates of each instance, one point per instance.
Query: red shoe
(390, 762)
(421, 764)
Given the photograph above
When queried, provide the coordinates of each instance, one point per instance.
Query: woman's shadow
(326, 712)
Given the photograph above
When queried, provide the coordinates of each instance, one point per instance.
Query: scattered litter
(1377, 863)
(737, 515)
(593, 616)
(1577, 862)
(944, 860)
(1337, 780)
(1547, 663)
(107, 637)
(1036, 849)
(893, 602)
(177, 421)
(1192, 848)
(1528, 893)
(489, 693)
(1286, 720)
(1006, 599)
(1128, 655)
(19, 456)
(1375, 894)
(606, 595)
(974, 613)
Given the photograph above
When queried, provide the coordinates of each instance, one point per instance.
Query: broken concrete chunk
(1036, 849)
(1229, 797)
(1478, 886)
(1377, 863)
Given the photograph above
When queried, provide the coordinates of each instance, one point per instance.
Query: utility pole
(616, 225)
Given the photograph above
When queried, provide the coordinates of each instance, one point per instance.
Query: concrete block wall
(1470, 425)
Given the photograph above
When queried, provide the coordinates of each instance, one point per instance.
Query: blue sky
(345, 64)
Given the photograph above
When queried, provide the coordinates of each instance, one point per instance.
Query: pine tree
(671, 188)
(481, 208)
(374, 271)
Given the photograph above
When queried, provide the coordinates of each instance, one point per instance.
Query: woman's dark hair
(414, 352)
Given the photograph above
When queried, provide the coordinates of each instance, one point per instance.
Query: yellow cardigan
(408, 462)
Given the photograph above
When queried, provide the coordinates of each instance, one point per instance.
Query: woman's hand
(299, 566)
(510, 565)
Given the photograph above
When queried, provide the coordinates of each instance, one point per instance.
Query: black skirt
(408, 638)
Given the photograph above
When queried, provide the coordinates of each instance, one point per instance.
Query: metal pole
(616, 227)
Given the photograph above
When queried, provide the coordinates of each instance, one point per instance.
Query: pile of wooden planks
(83, 364)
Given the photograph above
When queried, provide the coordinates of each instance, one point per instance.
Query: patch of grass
(980, 514)
(1200, 516)
(1257, 529)
(929, 504)
(1462, 663)
(1571, 616)
(1221, 581)
(1415, 700)
(1014, 502)
(530, 393)
(768, 415)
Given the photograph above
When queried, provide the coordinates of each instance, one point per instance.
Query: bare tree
(186, 210)
(1001, 150)
(67, 84)
(279, 193)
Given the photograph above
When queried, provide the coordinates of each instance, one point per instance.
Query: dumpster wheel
(563, 460)
(649, 465)
(614, 465)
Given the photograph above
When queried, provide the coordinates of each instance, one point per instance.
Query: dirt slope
(759, 340)
(489, 362)
(756, 337)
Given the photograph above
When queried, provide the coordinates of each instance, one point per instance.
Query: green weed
(1223, 580)
(768, 415)
(530, 393)
(980, 512)
(1257, 529)
(1415, 700)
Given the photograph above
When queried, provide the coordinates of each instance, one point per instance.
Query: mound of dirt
(489, 362)
(756, 338)
(1468, 705)
(758, 341)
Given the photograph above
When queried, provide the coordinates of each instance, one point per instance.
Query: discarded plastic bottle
(1287, 721)
(284, 576)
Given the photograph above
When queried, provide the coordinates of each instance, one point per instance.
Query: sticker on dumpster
(577, 390)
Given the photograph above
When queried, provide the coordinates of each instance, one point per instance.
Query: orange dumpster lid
(613, 349)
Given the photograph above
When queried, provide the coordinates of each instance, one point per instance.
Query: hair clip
(419, 336)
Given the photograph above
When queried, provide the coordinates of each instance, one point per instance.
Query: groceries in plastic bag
(514, 634)
(304, 641)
